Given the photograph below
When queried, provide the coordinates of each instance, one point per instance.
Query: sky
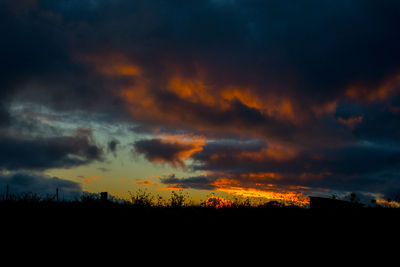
(253, 98)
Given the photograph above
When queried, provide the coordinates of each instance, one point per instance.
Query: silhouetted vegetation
(146, 213)
(180, 199)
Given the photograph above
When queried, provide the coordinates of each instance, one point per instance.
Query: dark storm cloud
(385, 184)
(39, 62)
(365, 167)
(19, 183)
(237, 118)
(318, 77)
(47, 152)
(380, 125)
(348, 160)
(322, 46)
(296, 49)
(199, 182)
(112, 146)
(159, 150)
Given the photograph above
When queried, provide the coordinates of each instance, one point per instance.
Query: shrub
(142, 199)
(89, 198)
(218, 203)
(178, 199)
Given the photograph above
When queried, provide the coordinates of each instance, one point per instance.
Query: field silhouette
(145, 212)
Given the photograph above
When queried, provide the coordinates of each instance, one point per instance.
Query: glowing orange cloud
(195, 142)
(261, 190)
(193, 90)
(325, 108)
(273, 106)
(191, 97)
(113, 64)
(274, 151)
(290, 196)
(262, 176)
(145, 182)
(181, 147)
(91, 179)
(388, 204)
(368, 94)
(171, 188)
(352, 121)
(196, 90)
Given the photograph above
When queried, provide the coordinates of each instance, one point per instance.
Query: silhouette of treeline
(145, 199)
(144, 214)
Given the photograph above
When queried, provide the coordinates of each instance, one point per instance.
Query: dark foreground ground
(103, 219)
(97, 231)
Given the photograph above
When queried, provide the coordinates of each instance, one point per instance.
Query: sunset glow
(271, 100)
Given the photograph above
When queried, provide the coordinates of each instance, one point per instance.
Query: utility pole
(7, 192)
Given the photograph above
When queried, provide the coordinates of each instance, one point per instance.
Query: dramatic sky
(275, 99)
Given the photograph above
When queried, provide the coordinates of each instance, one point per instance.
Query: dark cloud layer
(363, 167)
(20, 183)
(321, 46)
(314, 87)
(158, 150)
(44, 153)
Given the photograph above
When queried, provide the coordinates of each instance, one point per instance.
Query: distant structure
(321, 203)
(103, 196)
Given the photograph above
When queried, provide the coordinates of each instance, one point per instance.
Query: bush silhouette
(142, 199)
(177, 200)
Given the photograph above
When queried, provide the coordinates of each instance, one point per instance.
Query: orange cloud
(172, 149)
(258, 185)
(272, 105)
(194, 102)
(90, 179)
(274, 151)
(196, 143)
(170, 188)
(325, 108)
(145, 182)
(113, 64)
(193, 90)
(352, 121)
(290, 196)
(366, 93)
(388, 204)
(262, 175)
(197, 90)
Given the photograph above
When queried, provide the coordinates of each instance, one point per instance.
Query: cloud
(19, 183)
(170, 149)
(92, 178)
(367, 168)
(145, 182)
(236, 187)
(112, 146)
(312, 88)
(198, 182)
(258, 49)
(39, 153)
